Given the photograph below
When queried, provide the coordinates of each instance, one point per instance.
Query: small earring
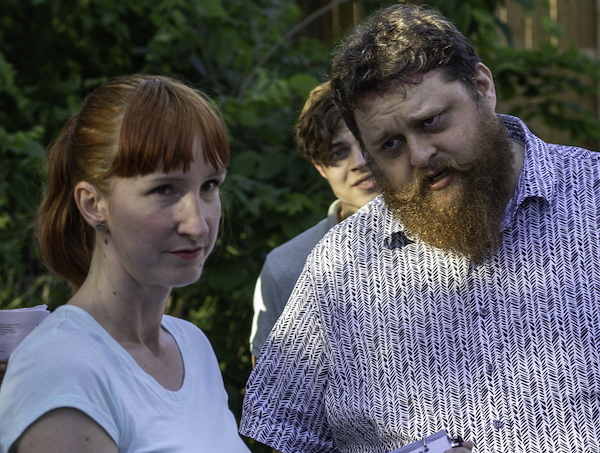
(100, 226)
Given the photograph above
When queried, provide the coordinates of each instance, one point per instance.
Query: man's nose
(358, 158)
(421, 151)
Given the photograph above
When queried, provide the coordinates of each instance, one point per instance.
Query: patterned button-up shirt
(386, 340)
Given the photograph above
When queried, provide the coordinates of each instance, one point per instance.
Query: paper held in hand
(436, 443)
(16, 324)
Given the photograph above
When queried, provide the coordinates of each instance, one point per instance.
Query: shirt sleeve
(285, 402)
(267, 302)
(50, 373)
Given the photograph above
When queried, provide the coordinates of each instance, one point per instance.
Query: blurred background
(258, 60)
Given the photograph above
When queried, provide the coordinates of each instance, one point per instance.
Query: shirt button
(498, 424)
(490, 368)
(484, 312)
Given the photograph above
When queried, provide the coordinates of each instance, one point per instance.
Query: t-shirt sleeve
(278, 277)
(49, 373)
(267, 308)
(285, 402)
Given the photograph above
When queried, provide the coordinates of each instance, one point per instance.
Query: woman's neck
(131, 315)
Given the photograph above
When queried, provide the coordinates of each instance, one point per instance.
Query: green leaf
(552, 27)
(270, 166)
(246, 114)
(302, 84)
(213, 9)
(245, 163)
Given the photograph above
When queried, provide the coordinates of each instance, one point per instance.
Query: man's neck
(345, 211)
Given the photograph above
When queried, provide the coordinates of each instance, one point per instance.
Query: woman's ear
(485, 85)
(91, 203)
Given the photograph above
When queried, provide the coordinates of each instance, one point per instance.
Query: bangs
(160, 125)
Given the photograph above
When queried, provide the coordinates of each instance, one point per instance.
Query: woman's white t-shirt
(71, 361)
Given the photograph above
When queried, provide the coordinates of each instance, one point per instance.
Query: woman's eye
(163, 190)
(431, 121)
(210, 186)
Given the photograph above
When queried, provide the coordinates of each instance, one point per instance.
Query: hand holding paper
(439, 442)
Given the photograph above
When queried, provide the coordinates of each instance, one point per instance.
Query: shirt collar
(538, 174)
(333, 213)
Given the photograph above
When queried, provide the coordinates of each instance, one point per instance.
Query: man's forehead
(398, 87)
(402, 89)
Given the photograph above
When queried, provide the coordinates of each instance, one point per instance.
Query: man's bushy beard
(470, 225)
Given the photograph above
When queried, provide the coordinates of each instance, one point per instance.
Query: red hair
(127, 127)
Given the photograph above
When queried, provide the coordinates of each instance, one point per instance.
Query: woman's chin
(181, 280)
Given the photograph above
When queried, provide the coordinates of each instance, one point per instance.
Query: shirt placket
(488, 320)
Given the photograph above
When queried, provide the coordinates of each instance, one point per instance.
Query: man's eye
(431, 121)
(339, 154)
(390, 144)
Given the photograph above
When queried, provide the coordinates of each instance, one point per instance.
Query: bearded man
(466, 296)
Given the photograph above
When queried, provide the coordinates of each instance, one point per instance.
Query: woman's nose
(192, 221)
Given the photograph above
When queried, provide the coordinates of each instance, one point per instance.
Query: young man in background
(325, 141)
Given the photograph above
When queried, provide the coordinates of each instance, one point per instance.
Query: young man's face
(347, 174)
(442, 159)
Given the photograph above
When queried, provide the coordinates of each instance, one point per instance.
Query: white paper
(436, 443)
(16, 324)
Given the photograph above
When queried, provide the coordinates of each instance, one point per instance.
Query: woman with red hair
(132, 210)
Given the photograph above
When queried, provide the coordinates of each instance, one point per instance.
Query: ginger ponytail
(66, 240)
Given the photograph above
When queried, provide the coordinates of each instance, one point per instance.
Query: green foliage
(52, 52)
(545, 77)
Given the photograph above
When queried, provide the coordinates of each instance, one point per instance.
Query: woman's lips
(188, 254)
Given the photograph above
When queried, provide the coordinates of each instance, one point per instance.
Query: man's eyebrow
(414, 117)
(381, 137)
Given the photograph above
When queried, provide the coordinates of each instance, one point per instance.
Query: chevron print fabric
(386, 340)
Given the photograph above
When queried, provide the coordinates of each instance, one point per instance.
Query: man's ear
(485, 85)
(320, 170)
(90, 202)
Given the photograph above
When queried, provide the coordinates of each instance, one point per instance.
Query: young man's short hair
(319, 121)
